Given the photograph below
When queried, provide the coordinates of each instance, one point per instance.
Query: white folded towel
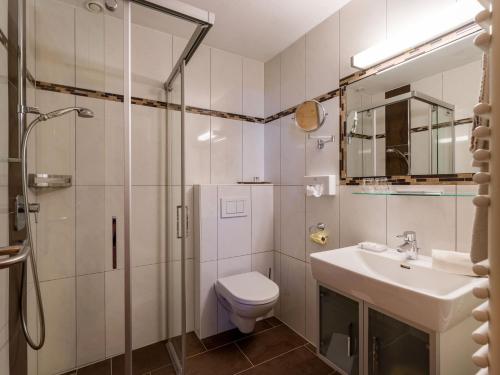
(372, 246)
(452, 262)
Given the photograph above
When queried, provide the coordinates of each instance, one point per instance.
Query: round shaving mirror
(310, 115)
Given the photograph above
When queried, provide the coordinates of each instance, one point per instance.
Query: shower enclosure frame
(203, 20)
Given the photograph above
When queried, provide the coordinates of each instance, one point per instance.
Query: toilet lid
(250, 288)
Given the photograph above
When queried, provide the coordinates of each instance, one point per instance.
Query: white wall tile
(90, 319)
(293, 74)
(277, 279)
(226, 151)
(226, 81)
(272, 86)
(197, 80)
(465, 217)
(432, 85)
(277, 216)
(149, 307)
(148, 221)
(362, 24)
(89, 49)
(149, 148)
(90, 226)
(59, 352)
(174, 298)
(253, 151)
(115, 318)
(293, 163)
(312, 322)
(325, 161)
(113, 43)
(264, 263)
(262, 218)
(362, 218)
(234, 233)
(208, 299)
(206, 213)
(324, 210)
(293, 293)
(272, 151)
(114, 133)
(322, 57)
(90, 145)
(150, 66)
(56, 234)
(234, 266)
(293, 221)
(436, 231)
(253, 88)
(55, 42)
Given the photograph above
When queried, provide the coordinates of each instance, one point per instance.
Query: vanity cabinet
(339, 334)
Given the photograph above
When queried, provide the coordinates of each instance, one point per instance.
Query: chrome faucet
(409, 246)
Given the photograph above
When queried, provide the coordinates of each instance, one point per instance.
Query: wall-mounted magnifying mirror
(310, 115)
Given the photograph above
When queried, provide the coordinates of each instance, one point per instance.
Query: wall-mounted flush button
(231, 207)
(240, 207)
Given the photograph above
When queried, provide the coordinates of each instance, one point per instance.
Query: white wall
(83, 295)
(443, 222)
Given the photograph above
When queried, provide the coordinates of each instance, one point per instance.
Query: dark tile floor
(272, 349)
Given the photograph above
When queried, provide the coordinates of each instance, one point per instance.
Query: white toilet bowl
(247, 296)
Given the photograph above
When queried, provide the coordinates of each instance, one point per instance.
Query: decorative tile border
(444, 179)
(3, 39)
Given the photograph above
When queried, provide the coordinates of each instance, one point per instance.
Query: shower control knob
(483, 41)
(481, 178)
(481, 155)
(481, 201)
(482, 109)
(482, 132)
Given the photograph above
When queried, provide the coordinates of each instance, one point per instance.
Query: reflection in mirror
(310, 115)
(414, 118)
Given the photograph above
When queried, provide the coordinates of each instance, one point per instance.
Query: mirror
(310, 115)
(414, 118)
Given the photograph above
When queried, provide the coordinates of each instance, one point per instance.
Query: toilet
(246, 296)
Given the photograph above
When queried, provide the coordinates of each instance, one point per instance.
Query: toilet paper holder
(318, 234)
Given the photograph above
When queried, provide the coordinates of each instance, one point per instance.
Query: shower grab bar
(17, 254)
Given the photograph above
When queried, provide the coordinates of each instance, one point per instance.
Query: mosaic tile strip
(445, 179)
(3, 39)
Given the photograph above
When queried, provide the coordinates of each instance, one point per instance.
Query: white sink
(409, 289)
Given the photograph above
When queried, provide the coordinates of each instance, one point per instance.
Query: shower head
(82, 112)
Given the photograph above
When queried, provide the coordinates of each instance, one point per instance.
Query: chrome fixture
(409, 246)
(353, 128)
(393, 150)
(111, 5)
(94, 6)
(82, 112)
(321, 140)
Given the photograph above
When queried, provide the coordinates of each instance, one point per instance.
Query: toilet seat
(251, 288)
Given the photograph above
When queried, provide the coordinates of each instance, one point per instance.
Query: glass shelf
(414, 193)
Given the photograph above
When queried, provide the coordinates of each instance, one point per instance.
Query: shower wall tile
(253, 151)
(277, 217)
(272, 152)
(264, 263)
(55, 139)
(58, 355)
(312, 322)
(293, 74)
(56, 234)
(322, 57)
(205, 222)
(90, 146)
(89, 49)
(362, 218)
(151, 66)
(115, 319)
(90, 319)
(262, 218)
(277, 279)
(55, 42)
(326, 160)
(362, 24)
(293, 157)
(253, 88)
(174, 298)
(149, 148)
(272, 86)
(465, 217)
(293, 221)
(226, 151)
(90, 226)
(113, 133)
(437, 231)
(197, 81)
(113, 49)
(226, 81)
(148, 236)
(207, 307)
(293, 293)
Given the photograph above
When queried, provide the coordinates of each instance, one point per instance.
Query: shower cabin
(101, 86)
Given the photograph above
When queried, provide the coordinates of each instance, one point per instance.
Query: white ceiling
(260, 29)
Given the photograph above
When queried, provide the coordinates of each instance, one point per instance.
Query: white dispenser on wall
(317, 186)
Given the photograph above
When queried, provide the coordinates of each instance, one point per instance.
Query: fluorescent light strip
(437, 24)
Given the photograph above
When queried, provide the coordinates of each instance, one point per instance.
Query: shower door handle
(113, 242)
(185, 228)
(17, 254)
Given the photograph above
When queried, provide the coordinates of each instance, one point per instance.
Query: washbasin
(409, 289)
